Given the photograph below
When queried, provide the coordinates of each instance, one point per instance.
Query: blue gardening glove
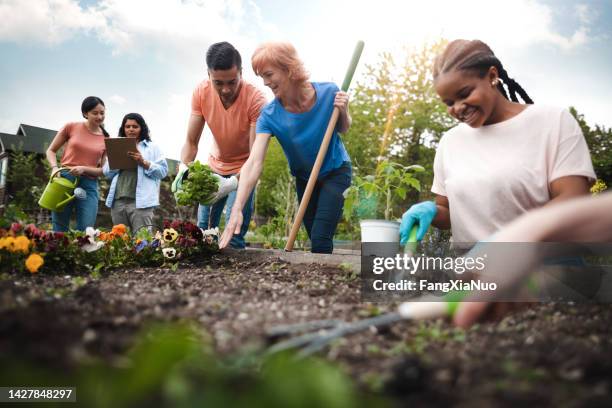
(422, 214)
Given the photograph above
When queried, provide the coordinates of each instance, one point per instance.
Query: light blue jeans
(209, 216)
(86, 209)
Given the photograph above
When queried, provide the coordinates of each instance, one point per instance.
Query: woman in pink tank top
(83, 156)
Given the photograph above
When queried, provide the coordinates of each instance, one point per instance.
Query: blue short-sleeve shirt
(300, 134)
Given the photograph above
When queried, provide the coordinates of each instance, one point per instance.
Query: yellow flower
(170, 235)
(598, 187)
(22, 244)
(7, 243)
(34, 262)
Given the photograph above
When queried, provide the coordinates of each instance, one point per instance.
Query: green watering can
(59, 192)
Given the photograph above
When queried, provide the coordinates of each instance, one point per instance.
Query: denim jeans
(86, 209)
(325, 207)
(209, 216)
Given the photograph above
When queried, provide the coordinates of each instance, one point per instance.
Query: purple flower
(141, 245)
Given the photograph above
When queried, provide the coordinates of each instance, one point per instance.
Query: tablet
(116, 152)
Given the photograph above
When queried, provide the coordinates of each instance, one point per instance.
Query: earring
(494, 82)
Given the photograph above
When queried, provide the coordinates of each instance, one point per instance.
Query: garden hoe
(312, 180)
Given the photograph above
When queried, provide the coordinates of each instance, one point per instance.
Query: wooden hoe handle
(312, 180)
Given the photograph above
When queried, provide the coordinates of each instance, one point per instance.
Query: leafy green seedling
(199, 186)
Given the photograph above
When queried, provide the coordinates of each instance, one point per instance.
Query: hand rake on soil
(319, 333)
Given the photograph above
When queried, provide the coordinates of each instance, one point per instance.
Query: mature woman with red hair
(298, 117)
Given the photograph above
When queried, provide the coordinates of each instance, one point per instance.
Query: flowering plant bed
(26, 248)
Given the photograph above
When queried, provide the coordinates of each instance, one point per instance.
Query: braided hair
(477, 56)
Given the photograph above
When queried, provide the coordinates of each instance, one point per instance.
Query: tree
(25, 183)
(397, 115)
(599, 140)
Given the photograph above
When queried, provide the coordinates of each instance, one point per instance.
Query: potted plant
(373, 197)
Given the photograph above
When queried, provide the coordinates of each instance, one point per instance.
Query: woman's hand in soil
(231, 228)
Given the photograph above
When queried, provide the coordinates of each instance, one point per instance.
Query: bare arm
(251, 137)
(442, 219)
(251, 170)
(249, 174)
(194, 132)
(568, 187)
(584, 219)
(58, 141)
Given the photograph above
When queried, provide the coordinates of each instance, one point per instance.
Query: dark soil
(551, 354)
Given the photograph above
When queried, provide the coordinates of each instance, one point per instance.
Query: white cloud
(178, 28)
(174, 30)
(391, 25)
(586, 14)
(45, 21)
(117, 99)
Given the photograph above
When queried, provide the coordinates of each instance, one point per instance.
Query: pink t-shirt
(82, 148)
(230, 127)
(493, 174)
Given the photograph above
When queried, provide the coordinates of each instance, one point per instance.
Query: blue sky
(147, 56)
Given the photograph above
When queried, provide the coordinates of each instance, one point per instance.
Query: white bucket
(379, 231)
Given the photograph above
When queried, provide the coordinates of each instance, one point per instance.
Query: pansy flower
(34, 262)
(141, 245)
(170, 235)
(16, 227)
(169, 253)
(212, 231)
(7, 243)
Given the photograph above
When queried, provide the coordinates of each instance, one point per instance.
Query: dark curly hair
(144, 129)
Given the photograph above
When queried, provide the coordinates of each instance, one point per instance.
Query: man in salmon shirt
(231, 107)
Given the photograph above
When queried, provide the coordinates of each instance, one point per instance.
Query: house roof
(28, 139)
(36, 132)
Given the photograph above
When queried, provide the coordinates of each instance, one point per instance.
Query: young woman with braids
(84, 154)
(504, 158)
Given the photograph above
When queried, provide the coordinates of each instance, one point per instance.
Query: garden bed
(553, 354)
